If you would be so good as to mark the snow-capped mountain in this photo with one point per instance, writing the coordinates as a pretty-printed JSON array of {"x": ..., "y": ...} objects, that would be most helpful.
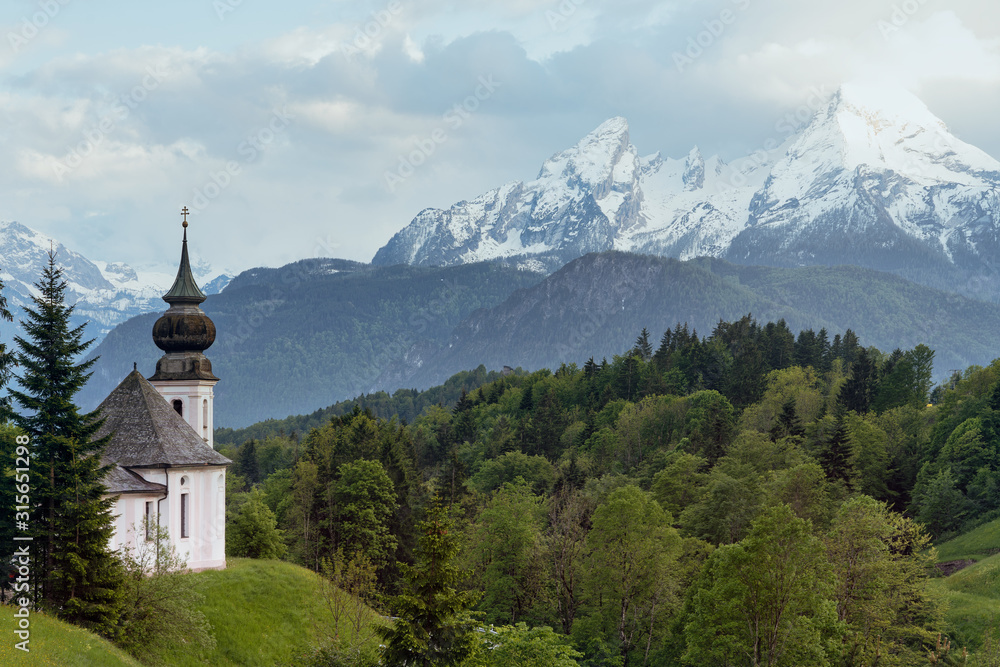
[
  {"x": 105, "y": 293},
  {"x": 874, "y": 180}
]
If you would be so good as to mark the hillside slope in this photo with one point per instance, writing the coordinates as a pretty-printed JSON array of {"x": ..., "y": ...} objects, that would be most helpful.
[
  {"x": 302, "y": 337},
  {"x": 59, "y": 644},
  {"x": 596, "y": 305}
]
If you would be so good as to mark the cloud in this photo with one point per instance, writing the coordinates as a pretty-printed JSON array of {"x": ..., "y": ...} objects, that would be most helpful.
[{"x": 374, "y": 81}]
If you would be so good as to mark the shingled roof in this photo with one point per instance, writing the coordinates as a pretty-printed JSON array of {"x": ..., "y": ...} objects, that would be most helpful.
[
  {"x": 148, "y": 433},
  {"x": 120, "y": 480}
]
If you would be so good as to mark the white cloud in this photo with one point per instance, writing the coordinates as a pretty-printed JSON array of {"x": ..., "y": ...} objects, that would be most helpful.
[{"x": 362, "y": 91}]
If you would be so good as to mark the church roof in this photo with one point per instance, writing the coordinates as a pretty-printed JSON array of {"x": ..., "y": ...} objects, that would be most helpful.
[
  {"x": 147, "y": 432},
  {"x": 120, "y": 480}
]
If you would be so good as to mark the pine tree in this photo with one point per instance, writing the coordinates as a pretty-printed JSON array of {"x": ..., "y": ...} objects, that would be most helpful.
[
  {"x": 643, "y": 349},
  {"x": 859, "y": 391},
  {"x": 77, "y": 574},
  {"x": 433, "y": 626},
  {"x": 835, "y": 459},
  {"x": 7, "y": 360}
]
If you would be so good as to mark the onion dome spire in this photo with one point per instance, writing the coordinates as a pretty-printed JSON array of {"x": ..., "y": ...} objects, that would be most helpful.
[
  {"x": 184, "y": 332},
  {"x": 185, "y": 289}
]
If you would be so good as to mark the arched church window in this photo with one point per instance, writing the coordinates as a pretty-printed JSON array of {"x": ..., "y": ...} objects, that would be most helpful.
[
  {"x": 204, "y": 413},
  {"x": 179, "y": 407}
]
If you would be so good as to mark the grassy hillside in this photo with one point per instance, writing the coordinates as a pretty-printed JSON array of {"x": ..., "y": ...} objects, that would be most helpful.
[
  {"x": 261, "y": 613},
  {"x": 58, "y": 644},
  {"x": 977, "y": 544},
  {"x": 973, "y": 597}
]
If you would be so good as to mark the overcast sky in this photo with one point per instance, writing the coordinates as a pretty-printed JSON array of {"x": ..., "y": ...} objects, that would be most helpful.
[{"x": 320, "y": 128}]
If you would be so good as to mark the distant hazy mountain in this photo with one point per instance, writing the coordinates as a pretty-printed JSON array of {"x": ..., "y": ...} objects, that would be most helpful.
[
  {"x": 874, "y": 180},
  {"x": 312, "y": 333},
  {"x": 597, "y": 305},
  {"x": 105, "y": 294}
]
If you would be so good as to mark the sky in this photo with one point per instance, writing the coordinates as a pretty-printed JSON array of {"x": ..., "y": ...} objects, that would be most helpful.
[{"x": 313, "y": 128}]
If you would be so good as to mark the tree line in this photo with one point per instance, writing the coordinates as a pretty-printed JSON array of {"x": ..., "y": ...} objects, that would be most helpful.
[{"x": 751, "y": 496}]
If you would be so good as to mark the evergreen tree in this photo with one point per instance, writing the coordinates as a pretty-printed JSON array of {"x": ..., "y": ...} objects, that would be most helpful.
[
  {"x": 836, "y": 458},
  {"x": 433, "y": 626},
  {"x": 247, "y": 464},
  {"x": 77, "y": 575},
  {"x": 859, "y": 391},
  {"x": 642, "y": 348},
  {"x": 7, "y": 360}
]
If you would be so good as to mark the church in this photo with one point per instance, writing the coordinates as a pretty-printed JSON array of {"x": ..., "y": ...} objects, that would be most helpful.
[{"x": 165, "y": 468}]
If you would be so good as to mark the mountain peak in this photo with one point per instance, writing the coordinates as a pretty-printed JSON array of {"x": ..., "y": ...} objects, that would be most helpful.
[
  {"x": 594, "y": 158},
  {"x": 882, "y": 105},
  {"x": 694, "y": 170},
  {"x": 885, "y": 129}
]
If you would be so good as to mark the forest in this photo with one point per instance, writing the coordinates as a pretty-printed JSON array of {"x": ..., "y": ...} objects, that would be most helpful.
[{"x": 749, "y": 497}]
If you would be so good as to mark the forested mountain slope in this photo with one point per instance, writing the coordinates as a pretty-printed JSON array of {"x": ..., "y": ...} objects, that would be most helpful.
[
  {"x": 595, "y": 305},
  {"x": 314, "y": 332}
]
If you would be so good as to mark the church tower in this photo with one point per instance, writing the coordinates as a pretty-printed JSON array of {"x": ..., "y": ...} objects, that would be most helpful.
[{"x": 184, "y": 374}]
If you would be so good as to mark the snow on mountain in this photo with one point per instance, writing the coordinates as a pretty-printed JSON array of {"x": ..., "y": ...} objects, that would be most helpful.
[
  {"x": 875, "y": 179},
  {"x": 105, "y": 293},
  {"x": 598, "y": 195},
  {"x": 877, "y": 176}
]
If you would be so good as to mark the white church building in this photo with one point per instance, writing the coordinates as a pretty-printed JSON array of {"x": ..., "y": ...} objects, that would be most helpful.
[{"x": 166, "y": 469}]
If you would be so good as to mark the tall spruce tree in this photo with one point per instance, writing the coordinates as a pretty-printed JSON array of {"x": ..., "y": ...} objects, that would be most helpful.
[
  {"x": 77, "y": 575},
  {"x": 7, "y": 360},
  {"x": 433, "y": 625},
  {"x": 7, "y": 438}
]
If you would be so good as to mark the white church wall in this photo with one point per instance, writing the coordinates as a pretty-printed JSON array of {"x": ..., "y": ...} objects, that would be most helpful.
[
  {"x": 204, "y": 547},
  {"x": 196, "y": 397}
]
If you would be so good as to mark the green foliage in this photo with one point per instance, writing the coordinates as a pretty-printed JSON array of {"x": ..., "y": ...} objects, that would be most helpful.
[
  {"x": 765, "y": 600},
  {"x": 161, "y": 601},
  {"x": 433, "y": 625},
  {"x": 254, "y": 532},
  {"x": 364, "y": 501},
  {"x": 881, "y": 570},
  {"x": 941, "y": 506},
  {"x": 520, "y": 645},
  {"x": 506, "y": 551},
  {"x": 76, "y": 574},
  {"x": 630, "y": 575},
  {"x": 506, "y": 468},
  {"x": 559, "y": 482}
]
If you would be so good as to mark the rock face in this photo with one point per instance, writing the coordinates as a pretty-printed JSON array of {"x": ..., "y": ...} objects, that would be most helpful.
[{"x": 874, "y": 180}]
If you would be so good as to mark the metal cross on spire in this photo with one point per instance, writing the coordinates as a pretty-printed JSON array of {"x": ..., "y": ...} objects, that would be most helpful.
[{"x": 184, "y": 212}]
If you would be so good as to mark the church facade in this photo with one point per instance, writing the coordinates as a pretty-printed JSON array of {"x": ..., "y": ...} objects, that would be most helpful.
[{"x": 165, "y": 469}]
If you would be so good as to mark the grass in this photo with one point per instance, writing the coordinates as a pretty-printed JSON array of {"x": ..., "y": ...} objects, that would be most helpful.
[
  {"x": 973, "y": 597},
  {"x": 262, "y": 612},
  {"x": 977, "y": 544},
  {"x": 59, "y": 644}
]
